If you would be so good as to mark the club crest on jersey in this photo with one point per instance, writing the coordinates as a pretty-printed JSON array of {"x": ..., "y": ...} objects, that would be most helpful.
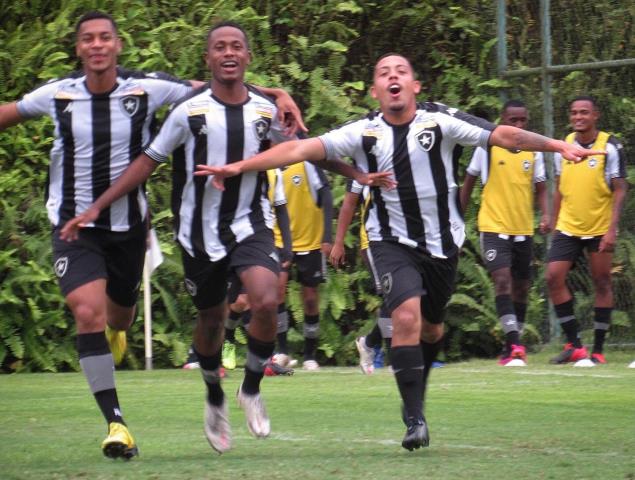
[
  {"x": 190, "y": 286},
  {"x": 593, "y": 162},
  {"x": 386, "y": 283},
  {"x": 490, "y": 255},
  {"x": 261, "y": 127},
  {"x": 60, "y": 267},
  {"x": 526, "y": 165},
  {"x": 296, "y": 179},
  {"x": 425, "y": 139},
  {"x": 130, "y": 104}
]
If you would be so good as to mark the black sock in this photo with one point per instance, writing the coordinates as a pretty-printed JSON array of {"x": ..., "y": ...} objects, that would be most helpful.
[
  {"x": 246, "y": 317},
  {"x": 373, "y": 339},
  {"x": 407, "y": 363},
  {"x": 210, "y": 369},
  {"x": 429, "y": 352},
  {"x": 601, "y": 326},
  {"x": 258, "y": 353},
  {"x": 508, "y": 321},
  {"x": 98, "y": 367},
  {"x": 311, "y": 336},
  {"x": 521, "y": 313},
  {"x": 282, "y": 328},
  {"x": 564, "y": 312},
  {"x": 230, "y": 335},
  {"x": 230, "y": 325},
  {"x": 109, "y": 405},
  {"x": 283, "y": 345}
]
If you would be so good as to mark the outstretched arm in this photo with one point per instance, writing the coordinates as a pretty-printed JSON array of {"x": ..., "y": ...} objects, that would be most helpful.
[
  {"x": 136, "y": 173},
  {"x": 382, "y": 179},
  {"x": 9, "y": 115},
  {"x": 287, "y": 153},
  {"x": 515, "y": 138}
]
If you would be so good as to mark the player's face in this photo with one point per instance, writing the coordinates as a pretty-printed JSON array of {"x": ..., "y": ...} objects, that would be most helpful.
[
  {"x": 227, "y": 54},
  {"x": 583, "y": 116},
  {"x": 394, "y": 85},
  {"x": 516, "y": 117},
  {"x": 98, "y": 45}
]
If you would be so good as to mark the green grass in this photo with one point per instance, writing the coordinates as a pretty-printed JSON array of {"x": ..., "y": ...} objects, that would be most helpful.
[{"x": 486, "y": 422}]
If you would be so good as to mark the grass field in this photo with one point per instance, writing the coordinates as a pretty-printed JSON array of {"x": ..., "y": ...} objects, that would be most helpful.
[{"x": 486, "y": 422}]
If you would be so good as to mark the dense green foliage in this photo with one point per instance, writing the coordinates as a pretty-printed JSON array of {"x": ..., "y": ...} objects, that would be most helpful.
[{"x": 322, "y": 52}]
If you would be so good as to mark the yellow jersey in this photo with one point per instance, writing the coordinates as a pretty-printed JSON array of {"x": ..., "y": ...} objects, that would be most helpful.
[
  {"x": 587, "y": 199},
  {"x": 302, "y": 182},
  {"x": 507, "y": 199}
]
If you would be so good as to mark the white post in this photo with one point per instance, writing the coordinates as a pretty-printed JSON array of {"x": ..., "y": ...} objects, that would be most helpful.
[
  {"x": 153, "y": 259},
  {"x": 147, "y": 312}
]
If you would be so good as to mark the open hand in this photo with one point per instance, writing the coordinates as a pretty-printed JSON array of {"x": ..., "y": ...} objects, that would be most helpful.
[{"x": 70, "y": 230}]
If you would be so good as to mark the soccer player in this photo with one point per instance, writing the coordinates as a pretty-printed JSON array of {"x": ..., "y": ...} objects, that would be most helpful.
[
  {"x": 367, "y": 344},
  {"x": 220, "y": 233},
  {"x": 239, "y": 311},
  {"x": 587, "y": 205},
  {"x": 310, "y": 206},
  {"x": 103, "y": 116},
  {"x": 416, "y": 229},
  {"x": 506, "y": 223}
]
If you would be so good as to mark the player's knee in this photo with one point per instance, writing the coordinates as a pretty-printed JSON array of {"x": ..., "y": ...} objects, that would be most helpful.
[
  {"x": 406, "y": 322},
  {"x": 431, "y": 332},
  {"x": 88, "y": 317},
  {"x": 602, "y": 284},
  {"x": 266, "y": 302},
  {"x": 553, "y": 280}
]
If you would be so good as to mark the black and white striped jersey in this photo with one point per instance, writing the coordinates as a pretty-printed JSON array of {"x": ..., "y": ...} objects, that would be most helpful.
[
  {"x": 96, "y": 138},
  {"x": 208, "y": 222},
  {"x": 423, "y": 210}
]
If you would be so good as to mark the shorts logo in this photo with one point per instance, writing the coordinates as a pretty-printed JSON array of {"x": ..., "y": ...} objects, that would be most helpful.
[
  {"x": 261, "y": 127},
  {"x": 61, "y": 265},
  {"x": 190, "y": 286},
  {"x": 130, "y": 104},
  {"x": 526, "y": 165},
  {"x": 425, "y": 140},
  {"x": 274, "y": 256},
  {"x": 296, "y": 179},
  {"x": 490, "y": 255},
  {"x": 386, "y": 283},
  {"x": 593, "y": 162}
]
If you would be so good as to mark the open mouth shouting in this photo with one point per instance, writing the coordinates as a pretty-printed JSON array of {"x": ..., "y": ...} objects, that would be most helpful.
[{"x": 394, "y": 90}]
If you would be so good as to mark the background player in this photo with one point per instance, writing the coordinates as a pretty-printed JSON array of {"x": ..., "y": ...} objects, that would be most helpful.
[
  {"x": 587, "y": 205},
  {"x": 506, "y": 223},
  {"x": 310, "y": 207}
]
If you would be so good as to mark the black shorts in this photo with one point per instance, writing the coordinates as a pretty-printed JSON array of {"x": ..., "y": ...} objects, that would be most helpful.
[
  {"x": 206, "y": 281},
  {"x": 568, "y": 248},
  {"x": 116, "y": 256},
  {"x": 406, "y": 273},
  {"x": 507, "y": 253},
  {"x": 310, "y": 268}
]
